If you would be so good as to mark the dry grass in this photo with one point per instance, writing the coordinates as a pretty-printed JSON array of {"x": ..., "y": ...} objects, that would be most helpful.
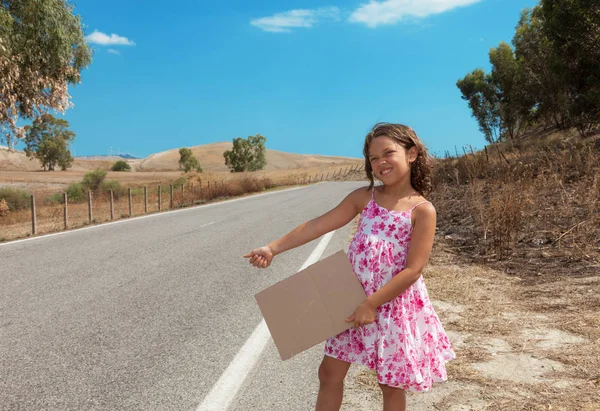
[{"x": 542, "y": 207}]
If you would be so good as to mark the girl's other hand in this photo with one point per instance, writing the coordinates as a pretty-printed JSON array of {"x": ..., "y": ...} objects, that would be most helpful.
[
  {"x": 364, "y": 314},
  {"x": 260, "y": 257}
]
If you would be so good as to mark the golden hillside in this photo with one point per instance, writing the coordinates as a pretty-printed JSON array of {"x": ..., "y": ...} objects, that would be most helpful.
[{"x": 211, "y": 159}]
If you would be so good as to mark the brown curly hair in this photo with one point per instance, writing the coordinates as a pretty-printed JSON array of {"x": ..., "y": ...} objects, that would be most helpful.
[{"x": 421, "y": 168}]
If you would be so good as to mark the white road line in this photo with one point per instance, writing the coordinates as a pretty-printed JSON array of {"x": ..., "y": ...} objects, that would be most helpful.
[
  {"x": 223, "y": 392},
  {"x": 157, "y": 214}
]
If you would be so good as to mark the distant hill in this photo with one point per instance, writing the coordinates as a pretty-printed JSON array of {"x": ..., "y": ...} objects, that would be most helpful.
[
  {"x": 111, "y": 157},
  {"x": 210, "y": 157}
]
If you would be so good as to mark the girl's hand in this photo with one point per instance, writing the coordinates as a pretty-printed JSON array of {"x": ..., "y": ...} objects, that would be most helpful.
[
  {"x": 260, "y": 257},
  {"x": 364, "y": 314}
]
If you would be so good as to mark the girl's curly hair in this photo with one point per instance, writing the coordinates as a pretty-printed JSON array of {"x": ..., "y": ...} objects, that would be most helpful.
[{"x": 421, "y": 168}]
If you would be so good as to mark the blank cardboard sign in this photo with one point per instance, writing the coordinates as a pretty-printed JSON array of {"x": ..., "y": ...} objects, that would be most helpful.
[{"x": 311, "y": 305}]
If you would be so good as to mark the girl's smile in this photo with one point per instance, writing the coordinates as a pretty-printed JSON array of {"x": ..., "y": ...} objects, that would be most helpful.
[{"x": 388, "y": 158}]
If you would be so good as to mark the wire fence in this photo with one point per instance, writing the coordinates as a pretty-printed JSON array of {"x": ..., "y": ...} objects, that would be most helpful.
[{"x": 42, "y": 216}]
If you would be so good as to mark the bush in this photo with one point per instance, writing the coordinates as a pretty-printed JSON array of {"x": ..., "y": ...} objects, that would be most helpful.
[
  {"x": 121, "y": 165},
  {"x": 75, "y": 193},
  {"x": 56, "y": 198},
  {"x": 113, "y": 185},
  {"x": 93, "y": 179},
  {"x": 15, "y": 199},
  {"x": 4, "y": 209},
  {"x": 179, "y": 182}
]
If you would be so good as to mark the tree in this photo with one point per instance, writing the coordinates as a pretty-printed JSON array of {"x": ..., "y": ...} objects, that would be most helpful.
[
  {"x": 188, "y": 161},
  {"x": 48, "y": 139},
  {"x": 479, "y": 90},
  {"x": 537, "y": 61},
  {"x": 121, "y": 165},
  {"x": 507, "y": 78},
  {"x": 573, "y": 28},
  {"x": 247, "y": 154},
  {"x": 42, "y": 51}
]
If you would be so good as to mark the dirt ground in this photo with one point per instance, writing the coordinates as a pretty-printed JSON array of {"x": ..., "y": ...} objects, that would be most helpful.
[{"x": 529, "y": 342}]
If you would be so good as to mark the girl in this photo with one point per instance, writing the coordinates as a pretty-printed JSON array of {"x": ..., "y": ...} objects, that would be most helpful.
[{"x": 396, "y": 330}]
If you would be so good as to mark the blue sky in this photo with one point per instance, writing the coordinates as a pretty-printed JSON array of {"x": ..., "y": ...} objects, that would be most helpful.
[{"x": 311, "y": 75}]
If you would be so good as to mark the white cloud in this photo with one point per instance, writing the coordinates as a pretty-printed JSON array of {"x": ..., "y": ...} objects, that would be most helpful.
[
  {"x": 302, "y": 18},
  {"x": 98, "y": 37},
  {"x": 113, "y": 51},
  {"x": 376, "y": 13}
]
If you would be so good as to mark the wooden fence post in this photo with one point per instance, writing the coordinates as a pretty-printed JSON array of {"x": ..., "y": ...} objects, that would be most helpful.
[
  {"x": 159, "y": 198},
  {"x": 112, "y": 206},
  {"x": 90, "y": 213},
  {"x": 208, "y": 188},
  {"x": 130, "y": 205},
  {"x": 33, "y": 217},
  {"x": 200, "y": 189},
  {"x": 171, "y": 203},
  {"x": 65, "y": 199},
  {"x": 145, "y": 200}
]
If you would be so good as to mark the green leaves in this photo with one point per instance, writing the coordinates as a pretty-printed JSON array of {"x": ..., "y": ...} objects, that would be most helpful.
[
  {"x": 247, "y": 154},
  {"x": 188, "y": 161},
  {"x": 42, "y": 51},
  {"x": 553, "y": 75},
  {"x": 48, "y": 139},
  {"x": 478, "y": 89}
]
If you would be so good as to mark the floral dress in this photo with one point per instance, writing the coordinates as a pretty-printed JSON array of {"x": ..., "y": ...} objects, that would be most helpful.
[{"x": 406, "y": 345}]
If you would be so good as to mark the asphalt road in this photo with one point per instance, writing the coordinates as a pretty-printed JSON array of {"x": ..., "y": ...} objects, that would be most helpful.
[{"x": 146, "y": 314}]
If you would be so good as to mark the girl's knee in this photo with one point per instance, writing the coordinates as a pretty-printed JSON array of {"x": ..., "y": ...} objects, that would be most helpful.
[
  {"x": 332, "y": 371},
  {"x": 391, "y": 391}
]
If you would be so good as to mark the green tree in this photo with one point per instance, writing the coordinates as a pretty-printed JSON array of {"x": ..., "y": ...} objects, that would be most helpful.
[
  {"x": 573, "y": 28},
  {"x": 121, "y": 165},
  {"x": 507, "y": 78},
  {"x": 247, "y": 154},
  {"x": 542, "y": 84},
  {"x": 187, "y": 160},
  {"x": 479, "y": 90},
  {"x": 42, "y": 51},
  {"x": 48, "y": 139}
]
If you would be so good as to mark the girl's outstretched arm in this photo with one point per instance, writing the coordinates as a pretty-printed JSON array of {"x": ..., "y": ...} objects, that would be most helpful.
[
  {"x": 310, "y": 230},
  {"x": 419, "y": 249}
]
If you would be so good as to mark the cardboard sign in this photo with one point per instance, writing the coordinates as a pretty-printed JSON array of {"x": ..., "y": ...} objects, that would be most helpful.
[{"x": 311, "y": 305}]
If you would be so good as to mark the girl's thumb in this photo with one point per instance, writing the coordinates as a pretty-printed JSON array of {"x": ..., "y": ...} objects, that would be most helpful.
[
  {"x": 248, "y": 255},
  {"x": 350, "y": 319}
]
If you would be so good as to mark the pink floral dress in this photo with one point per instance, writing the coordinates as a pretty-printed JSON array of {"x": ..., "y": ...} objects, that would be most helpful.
[{"x": 406, "y": 345}]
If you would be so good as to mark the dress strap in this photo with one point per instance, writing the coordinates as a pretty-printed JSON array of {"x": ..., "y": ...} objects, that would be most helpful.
[{"x": 422, "y": 202}]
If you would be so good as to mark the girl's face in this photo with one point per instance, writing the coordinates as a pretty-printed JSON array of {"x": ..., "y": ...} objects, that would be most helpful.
[{"x": 389, "y": 160}]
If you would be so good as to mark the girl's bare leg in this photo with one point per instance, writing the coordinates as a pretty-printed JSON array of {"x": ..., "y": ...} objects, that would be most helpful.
[
  {"x": 331, "y": 384},
  {"x": 394, "y": 399}
]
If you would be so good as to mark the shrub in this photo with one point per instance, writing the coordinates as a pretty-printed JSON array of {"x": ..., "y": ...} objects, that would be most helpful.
[
  {"x": 75, "y": 193},
  {"x": 113, "y": 185},
  {"x": 4, "y": 209},
  {"x": 15, "y": 199},
  {"x": 121, "y": 165},
  {"x": 179, "y": 182},
  {"x": 93, "y": 179},
  {"x": 56, "y": 198}
]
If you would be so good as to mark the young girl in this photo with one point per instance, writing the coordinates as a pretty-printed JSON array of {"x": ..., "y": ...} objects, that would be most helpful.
[{"x": 396, "y": 330}]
